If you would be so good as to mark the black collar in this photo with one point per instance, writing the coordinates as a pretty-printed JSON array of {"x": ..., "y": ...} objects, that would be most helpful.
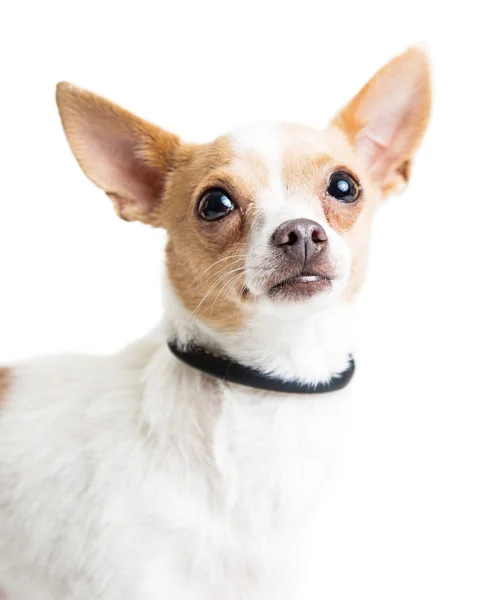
[{"x": 228, "y": 370}]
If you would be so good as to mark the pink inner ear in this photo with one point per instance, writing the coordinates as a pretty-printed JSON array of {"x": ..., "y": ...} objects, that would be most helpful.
[
  {"x": 121, "y": 171},
  {"x": 386, "y": 135},
  {"x": 369, "y": 149},
  {"x": 376, "y": 154}
]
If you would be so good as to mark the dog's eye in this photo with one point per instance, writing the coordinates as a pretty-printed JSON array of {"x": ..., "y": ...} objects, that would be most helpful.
[
  {"x": 214, "y": 205},
  {"x": 343, "y": 187}
]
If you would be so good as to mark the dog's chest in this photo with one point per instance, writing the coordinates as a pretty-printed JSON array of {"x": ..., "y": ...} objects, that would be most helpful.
[{"x": 235, "y": 518}]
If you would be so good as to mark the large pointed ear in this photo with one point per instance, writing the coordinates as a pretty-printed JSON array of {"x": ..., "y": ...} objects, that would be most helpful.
[
  {"x": 127, "y": 157},
  {"x": 387, "y": 119}
]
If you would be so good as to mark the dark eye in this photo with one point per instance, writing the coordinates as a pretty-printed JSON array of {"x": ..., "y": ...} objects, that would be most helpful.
[
  {"x": 214, "y": 205},
  {"x": 343, "y": 187}
]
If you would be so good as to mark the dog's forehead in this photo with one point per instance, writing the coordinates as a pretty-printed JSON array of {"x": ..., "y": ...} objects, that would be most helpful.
[
  {"x": 271, "y": 142},
  {"x": 281, "y": 152}
]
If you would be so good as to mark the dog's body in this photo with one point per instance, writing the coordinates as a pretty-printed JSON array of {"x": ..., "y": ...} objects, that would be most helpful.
[
  {"x": 153, "y": 481},
  {"x": 138, "y": 477}
]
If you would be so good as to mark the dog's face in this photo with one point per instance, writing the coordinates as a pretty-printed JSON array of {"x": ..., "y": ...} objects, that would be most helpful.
[{"x": 270, "y": 217}]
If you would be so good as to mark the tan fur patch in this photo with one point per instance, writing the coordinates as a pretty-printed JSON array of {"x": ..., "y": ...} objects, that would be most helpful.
[
  {"x": 205, "y": 260},
  {"x": 4, "y": 383}
]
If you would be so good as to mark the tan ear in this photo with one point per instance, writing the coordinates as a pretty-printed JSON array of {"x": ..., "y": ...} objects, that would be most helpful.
[
  {"x": 387, "y": 119},
  {"x": 127, "y": 157}
]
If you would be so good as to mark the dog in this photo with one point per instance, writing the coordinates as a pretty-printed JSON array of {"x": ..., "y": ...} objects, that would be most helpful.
[{"x": 188, "y": 466}]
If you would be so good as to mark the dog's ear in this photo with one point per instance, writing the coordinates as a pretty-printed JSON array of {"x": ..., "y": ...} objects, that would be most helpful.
[
  {"x": 386, "y": 120},
  {"x": 127, "y": 157}
]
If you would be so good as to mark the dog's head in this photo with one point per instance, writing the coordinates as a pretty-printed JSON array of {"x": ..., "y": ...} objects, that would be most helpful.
[{"x": 270, "y": 217}]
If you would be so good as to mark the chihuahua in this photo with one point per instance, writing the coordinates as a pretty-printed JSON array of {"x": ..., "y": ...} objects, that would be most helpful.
[{"x": 188, "y": 466}]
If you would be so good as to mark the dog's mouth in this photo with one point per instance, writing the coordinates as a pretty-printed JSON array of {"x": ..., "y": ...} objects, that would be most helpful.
[{"x": 304, "y": 285}]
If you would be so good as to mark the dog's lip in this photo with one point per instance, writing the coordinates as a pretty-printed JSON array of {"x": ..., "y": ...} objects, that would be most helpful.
[
  {"x": 298, "y": 286},
  {"x": 302, "y": 278}
]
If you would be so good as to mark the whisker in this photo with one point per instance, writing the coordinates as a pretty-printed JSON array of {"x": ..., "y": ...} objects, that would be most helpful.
[
  {"x": 238, "y": 257},
  {"x": 211, "y": 288},
  {"x": 227, "y": 286}
]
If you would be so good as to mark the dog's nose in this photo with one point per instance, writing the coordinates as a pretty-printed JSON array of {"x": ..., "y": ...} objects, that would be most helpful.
[{"x": 300, "y": 238}]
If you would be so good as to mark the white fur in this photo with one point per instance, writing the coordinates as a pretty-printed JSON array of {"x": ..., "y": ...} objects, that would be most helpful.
[{"x": 135, "y": 477}]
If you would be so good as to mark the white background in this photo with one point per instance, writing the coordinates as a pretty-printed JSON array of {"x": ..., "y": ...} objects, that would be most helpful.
[{"x": 403, "y": 511}]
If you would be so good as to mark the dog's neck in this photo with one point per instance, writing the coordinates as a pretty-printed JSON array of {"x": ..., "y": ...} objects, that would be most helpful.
[
  {"x": 309, "y": 348},
  {"x": 182, "y": 404}
]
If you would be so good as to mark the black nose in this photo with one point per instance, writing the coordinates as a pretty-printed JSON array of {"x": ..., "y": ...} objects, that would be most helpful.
[{"x": 300, "y": 238}]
